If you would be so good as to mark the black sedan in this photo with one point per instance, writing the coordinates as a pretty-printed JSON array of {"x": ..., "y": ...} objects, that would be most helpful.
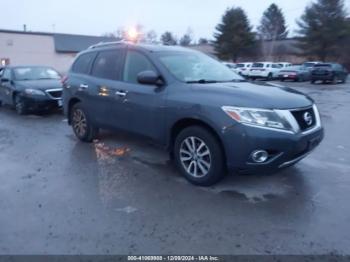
[
  {"x": 30, "y": 88},
  {"x": 295, "y": 73},
  {"x": 329, "y": 72}
]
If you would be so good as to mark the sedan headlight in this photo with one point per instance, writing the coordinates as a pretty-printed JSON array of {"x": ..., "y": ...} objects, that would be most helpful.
[
  {"x": 35, "y": 92},
  {"x": 258, "y": 117}
]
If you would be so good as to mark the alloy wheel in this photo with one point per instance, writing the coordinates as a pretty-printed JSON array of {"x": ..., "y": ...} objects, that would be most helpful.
[
  {"x": 195, "y": 157},
  {"x": 79, "y": 122}
]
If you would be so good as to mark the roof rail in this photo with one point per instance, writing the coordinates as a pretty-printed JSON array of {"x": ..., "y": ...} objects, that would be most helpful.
[{"x": 105, "y": 44}]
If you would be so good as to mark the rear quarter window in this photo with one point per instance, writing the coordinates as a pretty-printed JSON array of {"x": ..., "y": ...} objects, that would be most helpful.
[{"x": 83, "y": 63}]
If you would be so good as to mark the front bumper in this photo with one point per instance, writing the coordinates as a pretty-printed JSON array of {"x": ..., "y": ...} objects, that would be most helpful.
[
  {"x": 288, "y": 77},
  {"x": 37, "y": 103},
  {"x": 322, "y": 77},
  {"x": 285, "y": 149}
]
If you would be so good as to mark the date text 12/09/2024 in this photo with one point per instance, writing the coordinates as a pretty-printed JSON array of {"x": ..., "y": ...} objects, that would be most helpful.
[{"x": 173, "y": 258}]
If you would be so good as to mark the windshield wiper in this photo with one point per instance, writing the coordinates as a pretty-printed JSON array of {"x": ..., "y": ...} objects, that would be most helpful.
[
  {"x": 201, "y": 81},
  {"x": 237, "y": 80}
]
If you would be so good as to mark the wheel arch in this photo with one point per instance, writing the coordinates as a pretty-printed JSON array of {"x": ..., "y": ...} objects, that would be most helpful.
[{"x": 181, "y": 124}]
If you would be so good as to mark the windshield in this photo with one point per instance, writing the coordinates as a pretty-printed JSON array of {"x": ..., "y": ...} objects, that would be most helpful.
[
  {"x": 323, "y": 65},
  {"x": 197, "y": 67},
  {"x": 35, "y": 73},
  {"x": 309, "y": 64},
  {"x": 258, "y": 65}
]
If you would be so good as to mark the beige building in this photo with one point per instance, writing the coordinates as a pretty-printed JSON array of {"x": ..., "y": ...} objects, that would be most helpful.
[{"x": 36, "y": 48}]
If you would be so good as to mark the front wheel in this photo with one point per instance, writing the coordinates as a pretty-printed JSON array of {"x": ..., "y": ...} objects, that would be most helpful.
[
  {"x": 269, "y": 77},
  {"x": 335, "y": 80},
  {"x": 20, "y": 105},
  {"x": 199, "y": 156},
  {"x": 82, "y": 126}
]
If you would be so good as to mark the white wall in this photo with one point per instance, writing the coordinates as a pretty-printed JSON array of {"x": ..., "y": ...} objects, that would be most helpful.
[{"x": 28, "y": 49}]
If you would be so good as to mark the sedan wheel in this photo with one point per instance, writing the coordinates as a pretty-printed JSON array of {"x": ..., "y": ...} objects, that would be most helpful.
[
  {"x": 20, "y": 106},
  {"x": 335, "y": 80}
]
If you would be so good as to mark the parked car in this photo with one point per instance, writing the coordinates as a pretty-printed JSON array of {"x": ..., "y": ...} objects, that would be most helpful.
[
  {"x": 284, "y": 64},
  {"x": 295, "y": 73},
  {"x": 265, "y": 70},
  {"x": 329, "y": 72},
  {"x": 30, "y": 88},
  {"x": 209, "y": 118},
  {"x": 310, "y": 64},
  {"x": 231, "y": 66},
  {"x": 243, "y": 69}
]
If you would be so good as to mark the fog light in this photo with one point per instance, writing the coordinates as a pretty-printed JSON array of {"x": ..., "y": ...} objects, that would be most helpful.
[{"x": 260, "y": 156}]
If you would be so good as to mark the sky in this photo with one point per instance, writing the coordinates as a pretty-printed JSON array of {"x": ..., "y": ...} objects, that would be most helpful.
[{"x": 104, "y": 16}]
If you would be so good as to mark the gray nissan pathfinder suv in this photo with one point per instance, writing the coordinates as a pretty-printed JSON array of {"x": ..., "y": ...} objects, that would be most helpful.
[{"x": 210, "y": 119}]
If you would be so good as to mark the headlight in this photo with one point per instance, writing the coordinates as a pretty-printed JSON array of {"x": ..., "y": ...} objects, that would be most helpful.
[
  {"x": 34, "y": 92},
  {"x": 258, "y": 117}
]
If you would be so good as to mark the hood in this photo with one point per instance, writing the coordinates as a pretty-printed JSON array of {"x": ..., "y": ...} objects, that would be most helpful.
[
  {"x": 39, "y": 84},
  {"x": 246, "y": 94}
]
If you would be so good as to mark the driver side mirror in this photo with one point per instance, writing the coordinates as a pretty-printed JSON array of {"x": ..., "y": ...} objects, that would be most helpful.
[{"x": 149, "y": 78}]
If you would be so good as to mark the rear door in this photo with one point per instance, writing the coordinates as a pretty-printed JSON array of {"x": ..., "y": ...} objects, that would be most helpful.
[
  {"x": 81, "y": 85},
  {"x": 106, "y": 76}
]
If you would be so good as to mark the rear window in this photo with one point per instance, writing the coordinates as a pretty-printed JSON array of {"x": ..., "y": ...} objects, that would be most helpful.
[
  {"x": 323, "y": 65},
  {"x": 108, "y": 65},
  {"x": 258, "y": 65},
  {"x": 83, "y": 63}
]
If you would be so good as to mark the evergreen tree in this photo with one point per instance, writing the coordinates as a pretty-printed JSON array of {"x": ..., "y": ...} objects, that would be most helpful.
[
  {"x": 234, "y": 37},
  {"x": 168, "y": 39},
  {"x": 203, "y": 41},
  {"x": 324, "y": 28},
  {"x": 186, "y": 40},
  {"x": 273, "y": 24}
]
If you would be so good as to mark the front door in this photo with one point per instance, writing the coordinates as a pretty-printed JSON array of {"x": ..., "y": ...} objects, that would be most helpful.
[{"x": 144, "y": 103}]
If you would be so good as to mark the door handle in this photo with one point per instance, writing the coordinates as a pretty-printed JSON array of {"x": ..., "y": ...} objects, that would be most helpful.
[
  {"x": 121, "y": 93},
  {"x": 83, "y": 86}
]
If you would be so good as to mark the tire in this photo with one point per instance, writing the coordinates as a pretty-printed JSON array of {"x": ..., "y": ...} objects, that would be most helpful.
[
  {"x": 335, "y": 80},
  {"x": 204, "y": 167},
  {"x": 313, "y": 81},
  {"x": 269, "y": 77},
  {"x": 82, "y": 126},
  {"x": 20, "y": 106},
  {"x": 0, "y": 103}
]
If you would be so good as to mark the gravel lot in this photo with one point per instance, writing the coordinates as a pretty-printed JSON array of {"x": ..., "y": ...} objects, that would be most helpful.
[{"x": 121, "y": 195}]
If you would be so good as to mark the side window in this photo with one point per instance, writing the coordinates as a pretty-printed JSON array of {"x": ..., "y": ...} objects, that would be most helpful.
[
  {"x": 136, "y": 63},
  {"x": 83, "y": 63},
  {"x": 108, "y": 65},
  {"x": 7, "y": 74}
]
